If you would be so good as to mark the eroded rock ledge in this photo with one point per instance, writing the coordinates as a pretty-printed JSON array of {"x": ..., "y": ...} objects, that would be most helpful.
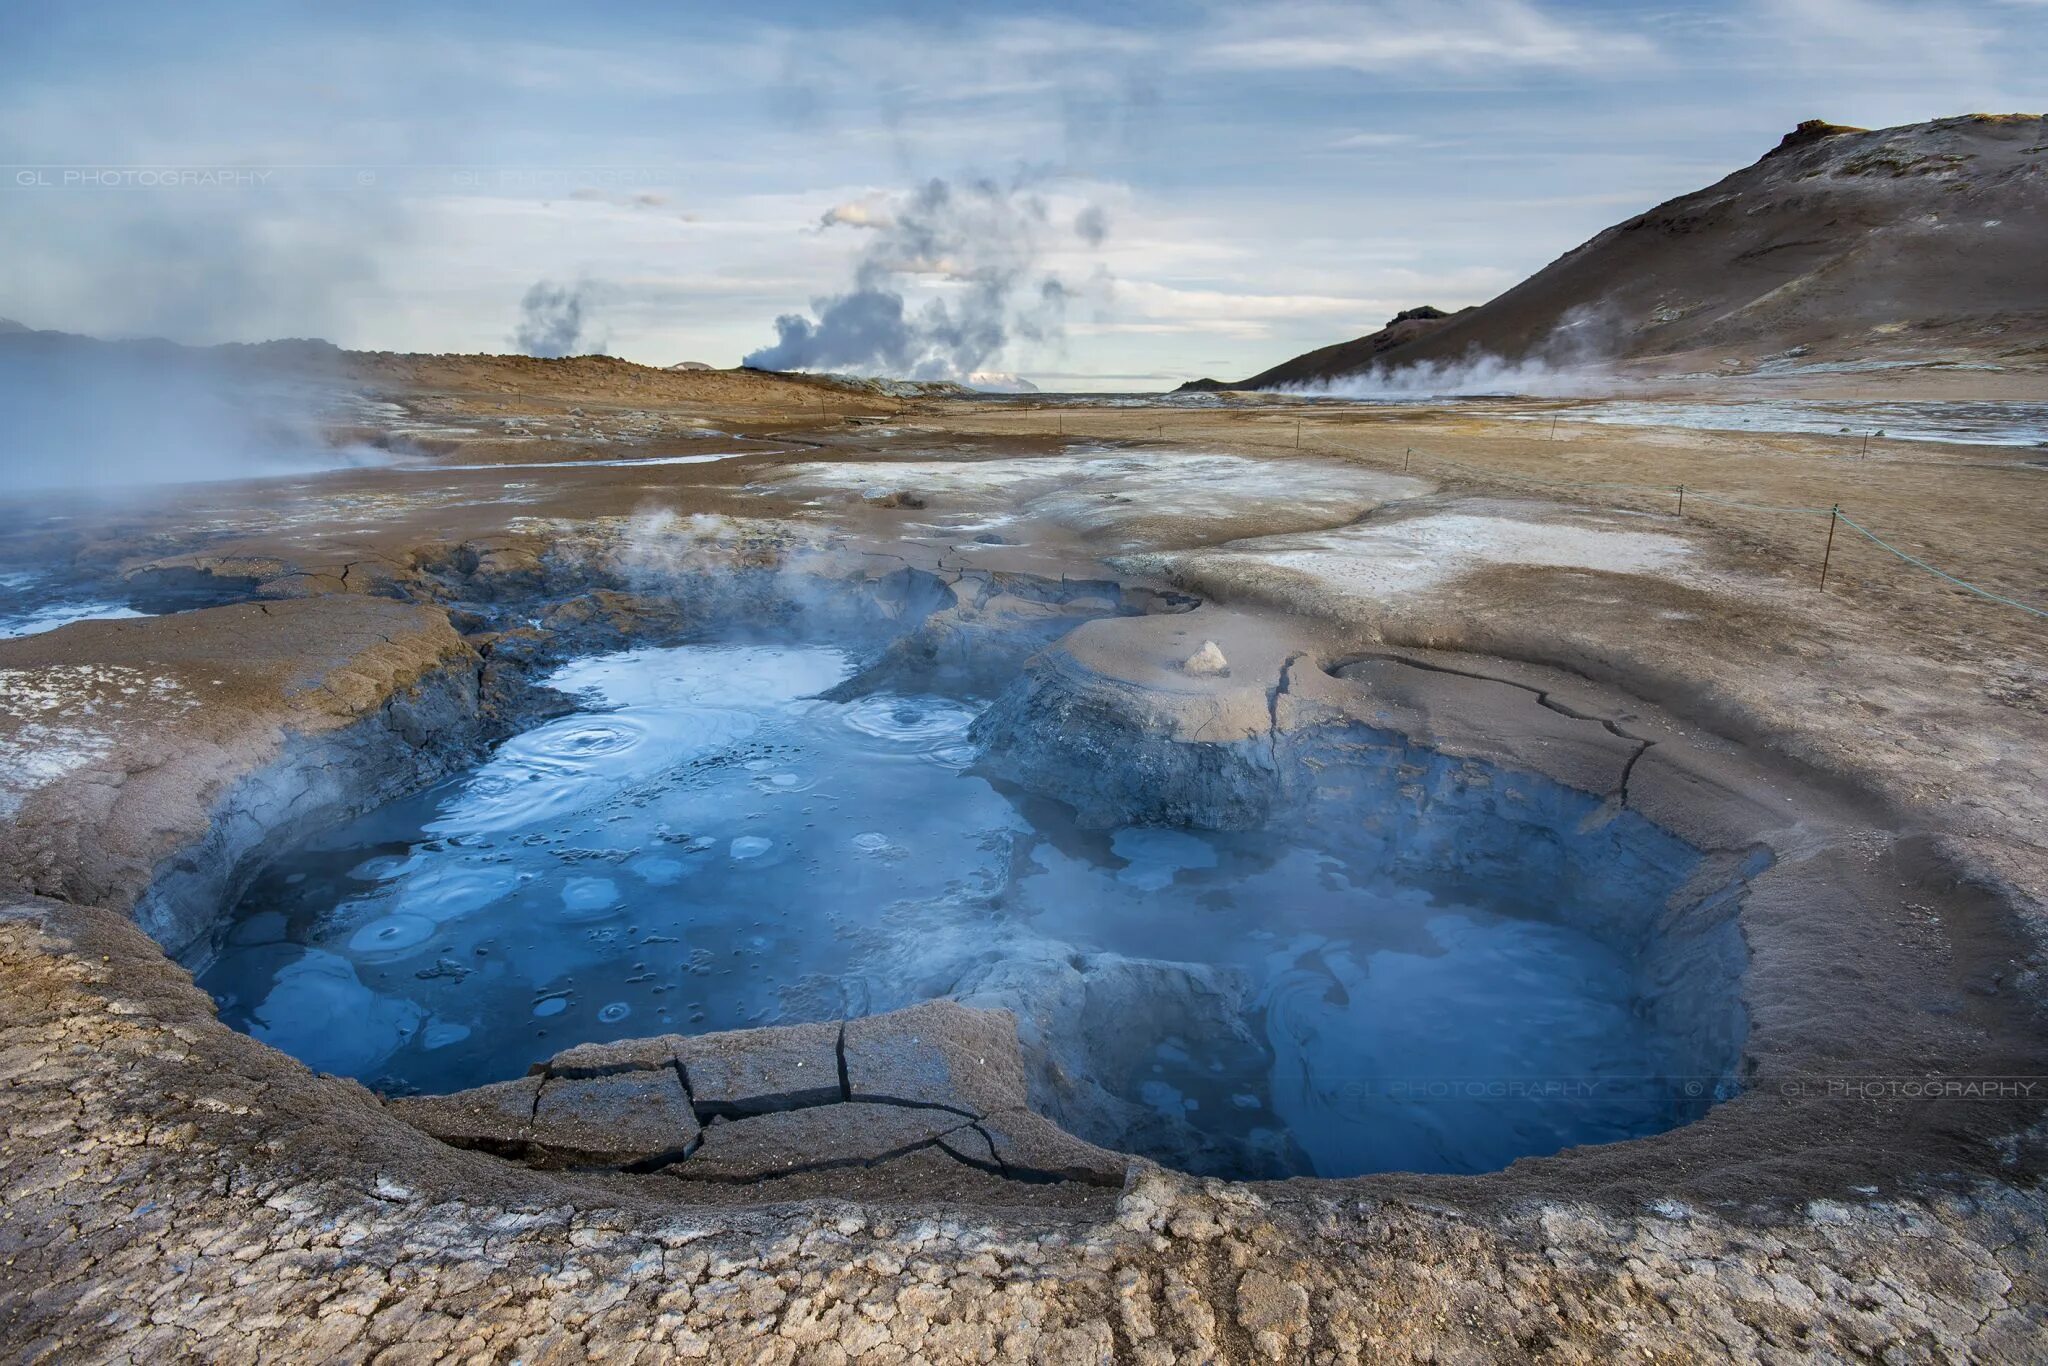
[{"x": 757, "y": 1105}]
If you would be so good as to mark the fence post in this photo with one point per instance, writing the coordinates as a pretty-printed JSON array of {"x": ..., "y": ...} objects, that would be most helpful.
[
  {"x": 1297, "y": 433},
  {"x": 1681, "y": 500},
  {"x": 1406, "y": 459},
  {"x": 1834, "y": 514}
]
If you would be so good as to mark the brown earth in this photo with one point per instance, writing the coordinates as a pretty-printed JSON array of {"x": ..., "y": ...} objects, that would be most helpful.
[{"x": 178, "y": 1191}]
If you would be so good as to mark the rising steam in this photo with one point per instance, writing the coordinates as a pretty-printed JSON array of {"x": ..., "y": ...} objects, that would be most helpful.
[
  {"x": 552, "y": 321},
  {"x": 1570, "y": 360},
  {"x": 113, "y": 417},
  {"x": 979, "y": 246}
]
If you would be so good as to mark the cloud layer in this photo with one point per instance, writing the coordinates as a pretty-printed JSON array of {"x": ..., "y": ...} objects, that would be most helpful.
[{"x": 1263, "y": 179}]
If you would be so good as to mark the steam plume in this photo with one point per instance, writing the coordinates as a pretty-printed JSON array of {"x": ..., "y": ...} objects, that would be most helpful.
[
  {"x": 551, "y": 322},
  {"x": 114, "y": 416},
  {"x": 980, "y": 243},
  {"x": 1571, "y": 359}
]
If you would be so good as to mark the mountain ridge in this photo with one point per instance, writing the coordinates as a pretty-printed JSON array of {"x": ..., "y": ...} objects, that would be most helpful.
[{"x": 1846, "y": 241}]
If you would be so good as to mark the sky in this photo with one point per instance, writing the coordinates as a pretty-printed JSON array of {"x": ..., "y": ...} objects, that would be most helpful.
[{"x": 1092, "y": 196}]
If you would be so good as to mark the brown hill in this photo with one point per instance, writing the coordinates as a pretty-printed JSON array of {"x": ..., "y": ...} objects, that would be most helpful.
[
  {"x": 1348, "y": 358},
  {"x": 1922, "y": 239}
]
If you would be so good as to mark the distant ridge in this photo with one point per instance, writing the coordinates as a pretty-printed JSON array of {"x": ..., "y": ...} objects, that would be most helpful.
[{"x": 1922, "y": 239}]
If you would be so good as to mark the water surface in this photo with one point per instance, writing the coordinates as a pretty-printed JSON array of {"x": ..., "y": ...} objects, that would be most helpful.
[{"x": 708, "y": 846}]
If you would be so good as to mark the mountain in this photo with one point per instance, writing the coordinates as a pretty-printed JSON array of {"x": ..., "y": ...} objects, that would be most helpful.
[
  {"x": 1348, "y": 358},
  {"x": 1926, "y": 240}
]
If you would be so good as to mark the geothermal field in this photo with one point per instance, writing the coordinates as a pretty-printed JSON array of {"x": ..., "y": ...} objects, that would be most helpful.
[{"x": 1522, "y": 835}]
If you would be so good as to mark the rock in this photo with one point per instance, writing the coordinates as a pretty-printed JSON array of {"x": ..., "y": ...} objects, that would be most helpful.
[
  {"x": 621, "y": 1119},
  {"x": 1207, "y": 662},
  {"x": 937, "y": 1053},
  {"x": 1089, "y": 1022},
  {"x": 608, "y": 618},
  {"x": 1113, "y": 720},
  {"x": 1273, "y": 1311},
  {"x": 821, "y": 1137},
  {"x": 893, "y": 498},
  {"x": 620, "y": 1055},
  {"x": 756, "y": 1071},
  {"x": 496, "y": 1117},
  {"x": 1029, "y": 1146}
]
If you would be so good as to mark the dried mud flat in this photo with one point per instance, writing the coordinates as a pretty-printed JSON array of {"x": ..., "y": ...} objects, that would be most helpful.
[{"x": 178, "y": 1190}]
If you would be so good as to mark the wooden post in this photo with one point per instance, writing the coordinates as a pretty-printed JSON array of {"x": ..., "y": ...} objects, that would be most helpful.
[
  {"x": 1553, "y": 426},
  {"x": 1297, "y": 433},
  {"x": 1406, "y": 459},
  {"x": 1866, "y": 447},
  {"x": 1834, "y": 514},
  {"x": 1681, "y": 500}
]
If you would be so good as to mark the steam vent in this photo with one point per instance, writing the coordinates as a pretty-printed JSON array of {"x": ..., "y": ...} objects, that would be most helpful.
[{"x": 1518, "y": 835}]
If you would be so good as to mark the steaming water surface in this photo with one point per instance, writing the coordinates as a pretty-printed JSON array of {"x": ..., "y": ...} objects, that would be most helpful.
[{"x": 707, "y": 846}]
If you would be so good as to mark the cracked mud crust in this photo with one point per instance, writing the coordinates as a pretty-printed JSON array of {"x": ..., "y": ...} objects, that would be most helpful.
[{"x": 179, "y": 1191}]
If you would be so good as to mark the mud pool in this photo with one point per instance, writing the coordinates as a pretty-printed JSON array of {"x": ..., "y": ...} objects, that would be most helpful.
[{"x": 705, "y": 845}]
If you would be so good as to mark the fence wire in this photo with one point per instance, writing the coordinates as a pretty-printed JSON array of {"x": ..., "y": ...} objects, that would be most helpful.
[{"x": 1685, "y": 492}]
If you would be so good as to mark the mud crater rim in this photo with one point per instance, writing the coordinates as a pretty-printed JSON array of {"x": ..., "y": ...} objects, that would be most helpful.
[{"x": 911, "y": 601}]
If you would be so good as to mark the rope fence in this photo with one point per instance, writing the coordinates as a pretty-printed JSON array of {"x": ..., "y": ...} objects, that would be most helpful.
[
  {"x": 1985, "y": 593},
  {"x": 1833, "y": 514}
]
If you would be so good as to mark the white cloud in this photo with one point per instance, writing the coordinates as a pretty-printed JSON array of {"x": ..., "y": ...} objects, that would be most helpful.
[
  {"x": 1458, "y": 38},
  {"x": 869, "y": 211},
  {"x": 1917, "y": 40},
  {"x": 1366, "y": 141}
]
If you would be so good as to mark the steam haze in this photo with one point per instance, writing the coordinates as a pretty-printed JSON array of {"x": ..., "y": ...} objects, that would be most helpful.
[
  {"x": 1573, "y": 359},
  {"x": 111, "y": 418}
]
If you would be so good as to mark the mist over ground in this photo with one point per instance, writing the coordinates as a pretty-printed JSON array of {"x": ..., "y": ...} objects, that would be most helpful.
[{"x": 112, "y": 417}]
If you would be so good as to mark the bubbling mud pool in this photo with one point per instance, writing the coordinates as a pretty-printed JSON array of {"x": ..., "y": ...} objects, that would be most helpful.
[{"x": 706, "y": 844}]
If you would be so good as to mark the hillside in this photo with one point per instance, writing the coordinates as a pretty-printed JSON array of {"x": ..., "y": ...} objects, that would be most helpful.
[{"x": 1924, "y": 240}]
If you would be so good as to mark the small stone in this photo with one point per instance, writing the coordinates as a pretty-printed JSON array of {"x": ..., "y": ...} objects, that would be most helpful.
[
  {"x": 893, "y": 498},
  {"x": 1207, "y": 662}
]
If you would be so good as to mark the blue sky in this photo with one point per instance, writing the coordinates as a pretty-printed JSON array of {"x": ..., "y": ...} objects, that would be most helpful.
[{"x": 1266, "y": 178}]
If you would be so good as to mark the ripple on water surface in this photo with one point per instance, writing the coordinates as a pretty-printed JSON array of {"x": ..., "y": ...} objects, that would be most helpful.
[{"x": 708, "y": 845}]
